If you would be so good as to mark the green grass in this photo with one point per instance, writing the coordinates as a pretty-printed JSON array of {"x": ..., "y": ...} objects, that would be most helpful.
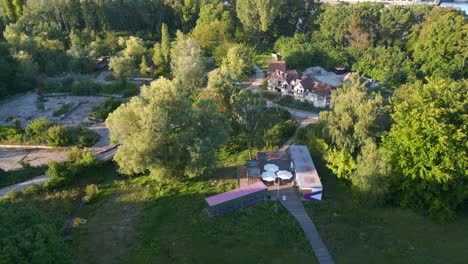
[
  {"x": 262, "y": 60},
  {"x": 142, "y": 221},
  {"x": 15, "y": 176},
  {"x": 357, "y": 234}
]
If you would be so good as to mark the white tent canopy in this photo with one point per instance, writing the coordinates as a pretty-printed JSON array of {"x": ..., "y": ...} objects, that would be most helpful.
[
  {"x": 271, "y": 167},
  {"x": 268, "y": 176},
  {"x": 284, "y": 175}
]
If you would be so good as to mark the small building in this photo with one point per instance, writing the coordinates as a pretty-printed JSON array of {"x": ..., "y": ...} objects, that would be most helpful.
[
  {"x": 234, "y": 199},
  {"x": 306, "y": 176}
]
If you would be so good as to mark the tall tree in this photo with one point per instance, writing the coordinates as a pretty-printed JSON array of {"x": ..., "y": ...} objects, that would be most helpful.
[
  {"x": 428, "y": 146},
  {"x": 440, "y": 44},
  {"x": 187, "y": 62},
  {"x": 162, "y": 131},
  {"x": 249, "y": 108},
  {"x": 257, "y": 15}
]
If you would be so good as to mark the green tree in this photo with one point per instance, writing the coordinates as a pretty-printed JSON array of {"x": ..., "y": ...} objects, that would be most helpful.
[
  {"x": 26, "y": 71},
  {"x": 134, "y": 48},
  {"x": 440, "y": 44},
  {"x": 222, "y": 86},
  {"x": 81, "y": 60},
  {"x": 123, "y": 67},
  {"x": 334, "y": 22},
  {"x": 428, "y": 146},
  {"x": 249, "y": 108},
  {"x": 238, "y": 61},
  {"x": 144, "y": 68},
  {"x": 156, "y": 136},
  {"x": 354, "y": 117},
  {"x": 165, "y": 44},
  {"x": 396, "y": 23},
  {"x": 187, "y": 62},
  {"x": 257, "y": 15}
]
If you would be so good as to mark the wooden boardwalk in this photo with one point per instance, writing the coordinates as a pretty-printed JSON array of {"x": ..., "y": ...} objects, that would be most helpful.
[{"x": 294, "y": 205}]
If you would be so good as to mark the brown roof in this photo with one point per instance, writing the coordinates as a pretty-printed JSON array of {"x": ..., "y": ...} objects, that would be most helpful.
[
  {"x": 319, "y": 88},
  {"x": 276, "y": 65}
]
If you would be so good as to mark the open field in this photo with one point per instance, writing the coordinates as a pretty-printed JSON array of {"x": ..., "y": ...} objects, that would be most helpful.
[
  {"x": 357, "y": 234},
  {"x": 147, "y": 222},
  {"x": 24, "y": 108}
]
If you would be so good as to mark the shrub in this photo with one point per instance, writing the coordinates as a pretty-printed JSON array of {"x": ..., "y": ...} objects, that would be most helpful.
[
  {"x": 281, "y": 132},
  {"x": 84, "y": 85},
  {"x": 37, "y": 130},
  {"x": 103, "y": 110},
  {"x": 92, "y": 191},
  {"x": 10, "y": 134},
  {"x": 82, "y": 157},
  {"x": 59, "y": 174},
  {"x": 83, "y": 137},
  {"x": 29, "y": 236},
  {"x": 58, "y": 136},
  {"x": 124, "y": 88}
]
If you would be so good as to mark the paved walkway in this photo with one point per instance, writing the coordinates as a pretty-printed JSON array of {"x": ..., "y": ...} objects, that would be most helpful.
[
  {"x": 23, "y": 185},
  {"x": 294, "y": 205}
]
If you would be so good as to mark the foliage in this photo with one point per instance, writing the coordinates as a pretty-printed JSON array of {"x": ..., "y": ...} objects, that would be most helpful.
[
  {"x": 106, "y": 107},
  {"x": 61, "y": 174},
  {"x": 238, "y": 61},
  {"x": 37, "y": 130},
  {"x": 354, "y": 117},
  {"x": 64, "y": 108},
  {"x": 428, "y": 148},
  {"x": 257, "y": 16},
  {"x": 248, "y": 110},
  {"x": 153, "y": 126},
  {"x": 14, "y": 176},
  {"x": 439, "y": 44},
  {"x": 277, "y": 135},
  {"x": 221, "y": 87},
  {"x": 341, "y": 162},
  {"x": 187, "y": 62},
  {"x": 92, "y": 192},
  {"x": 370, "y": 178},
  {"x": 124, "y": 88},
  {"x": 57, "y": 136},
  {"x": 123, "y": 67},
  {"x": 28, "y": 236}
]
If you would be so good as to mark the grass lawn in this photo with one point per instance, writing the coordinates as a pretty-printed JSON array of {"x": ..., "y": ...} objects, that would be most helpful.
[
  {"x": 143, "y": 221},
  {"x": 356, "y": 234},
  {"x": 14, "y": 176},
  {"x": 262, "y": 60}
]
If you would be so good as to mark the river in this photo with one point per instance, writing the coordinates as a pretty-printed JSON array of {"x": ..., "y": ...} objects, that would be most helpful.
[{"x": 462, "y": 6}]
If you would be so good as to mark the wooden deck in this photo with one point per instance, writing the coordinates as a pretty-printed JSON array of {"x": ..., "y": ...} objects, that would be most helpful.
[{"x": 294, "y": 205}]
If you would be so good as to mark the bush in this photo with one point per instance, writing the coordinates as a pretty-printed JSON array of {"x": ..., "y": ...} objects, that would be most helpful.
[
  {"x": 280, "y": 133},
  {"x": 10, "y": 134},
  {"x": 83, "y": 137},
  {"x": 92, "y": 191},
  {"x": 124, "y": 88},
  {"x": 103, "y": 110},
  {"x": 29, "y": 236},
  {"x": 59, "y": 174},
  {"x": 58, "y": 136},
  {"x": 37, "y": 130},
  {"x": 84, "y": 85},
  {"x": 82, "y": 157}
]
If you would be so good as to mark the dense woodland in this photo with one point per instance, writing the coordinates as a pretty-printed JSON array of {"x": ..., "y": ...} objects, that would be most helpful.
[{"x": 407, "y": 149}]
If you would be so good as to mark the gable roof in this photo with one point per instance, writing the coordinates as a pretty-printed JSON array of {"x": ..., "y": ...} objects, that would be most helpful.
[
  {"x": 276, "y": 65},
  {"x": 312, "y": 86}
]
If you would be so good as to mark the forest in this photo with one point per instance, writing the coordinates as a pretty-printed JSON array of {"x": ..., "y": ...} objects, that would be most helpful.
[{"x": 403, "y": 144}]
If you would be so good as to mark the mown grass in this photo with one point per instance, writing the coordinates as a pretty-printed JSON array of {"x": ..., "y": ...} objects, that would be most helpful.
[
  {"x": 358, "y": 234},
  {"x": 144, "y": 221},
  {"x": 14, "y": 176}
]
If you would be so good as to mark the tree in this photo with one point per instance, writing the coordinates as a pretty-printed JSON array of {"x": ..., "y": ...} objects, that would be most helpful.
[
  {"x": 396, "y": 23},
  {"x": 187, "y": 62},
  {"x": 257, "y": 15},
  {"x": 334, "y": 22},
  {"x": 144, "y": 68},
  {"x": 123, "y": 67},
  {"x": 26, "y": 71},
  {"x": 210, "y": 35},
  {"x": 389, "y": 66},
  {"x": 223, "y": 87},
  {"x": 249, "y": 108},
  {"x": 427, "y": 146},
  {"x": 440, "y": 45},
  {"x": 134, "y": 48},
  {"x": 371, "y": 177},
  {"x": 238, "y": 61},
  {"x": 354, "y": 117},
  {"x": 165, "y": 44},
  {"x": 81, "y": 60},
  {"x": 163, "y": 131}
]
